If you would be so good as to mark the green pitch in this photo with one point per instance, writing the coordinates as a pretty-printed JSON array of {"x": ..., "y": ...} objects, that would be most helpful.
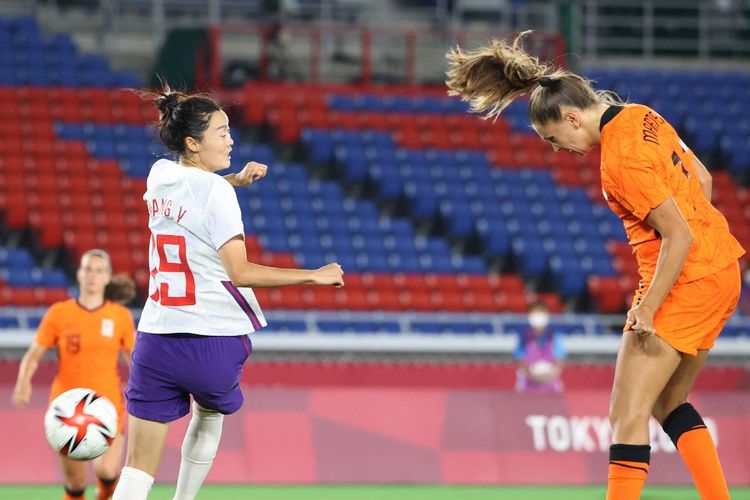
[{"x": 213, "y": 492}]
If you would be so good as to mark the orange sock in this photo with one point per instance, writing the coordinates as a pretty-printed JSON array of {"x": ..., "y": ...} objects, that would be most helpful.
[
  {"x": 105, "y": 488},
  {"x": 628, "y": 468},
  {"x": 74, "y": 494},
  {"x": 691, "y": 437}
]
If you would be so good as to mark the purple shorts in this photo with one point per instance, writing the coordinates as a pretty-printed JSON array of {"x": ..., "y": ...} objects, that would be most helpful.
[{"x": 167, "y": 369}]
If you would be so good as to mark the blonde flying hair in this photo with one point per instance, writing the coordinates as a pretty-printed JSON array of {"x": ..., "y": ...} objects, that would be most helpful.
[{"x": 491, "y": 77}]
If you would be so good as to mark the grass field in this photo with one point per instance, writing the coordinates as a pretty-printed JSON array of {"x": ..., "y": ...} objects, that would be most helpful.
[{"x": 382, "y": 493}]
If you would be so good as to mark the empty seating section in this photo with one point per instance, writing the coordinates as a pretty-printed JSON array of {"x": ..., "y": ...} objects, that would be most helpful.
[
  {"x": 530, "y": 209},
  {"x": 706, "y": 107},
  {"x": 75, "y": 150},
  {"x": 37, "y": 59},
  {"x": 53, "y": 183},
  {"x": 541, "y": 212}
]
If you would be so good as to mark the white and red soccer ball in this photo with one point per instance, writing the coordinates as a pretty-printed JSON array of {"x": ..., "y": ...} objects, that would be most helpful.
[{"x": 80, "y": 424}]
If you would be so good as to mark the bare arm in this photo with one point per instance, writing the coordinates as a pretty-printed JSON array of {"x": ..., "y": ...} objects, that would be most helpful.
[
  {"x": 127, "y": 356},
  {"x": 29, "y": 364},
  {"x": 243, "y": 273},
  {"x": 704, "y": 178},
  {"x": 675, "y": 246},
  {"x": 252, "y": 172}
]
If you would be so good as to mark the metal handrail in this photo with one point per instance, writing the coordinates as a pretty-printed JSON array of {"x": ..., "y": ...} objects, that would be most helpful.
[{"x": 592, "y": 334}]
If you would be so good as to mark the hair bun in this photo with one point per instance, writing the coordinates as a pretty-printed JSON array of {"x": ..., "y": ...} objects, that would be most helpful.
[
  {"x": 167, "y": 101},
  {"x": 545, "y": 81}
]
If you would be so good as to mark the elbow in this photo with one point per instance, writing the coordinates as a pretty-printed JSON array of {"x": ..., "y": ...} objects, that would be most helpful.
[
  {"x": 680, "y": 237},
  {"x": 235, "y": 277},
  {"x": 688, "y": 236}
]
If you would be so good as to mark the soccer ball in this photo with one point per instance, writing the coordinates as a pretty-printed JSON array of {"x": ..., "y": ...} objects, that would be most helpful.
[{"x": 80, "y": 424}]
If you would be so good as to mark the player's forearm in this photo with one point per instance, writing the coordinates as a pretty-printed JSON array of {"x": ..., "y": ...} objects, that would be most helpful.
[
  {"x": 26, "y": 370},
  {"x": 672, "y": 255},
  {"x": 258, "y": 276},
  {"x": 231, "y": 179},
  {"x": 707, "y": 188}
]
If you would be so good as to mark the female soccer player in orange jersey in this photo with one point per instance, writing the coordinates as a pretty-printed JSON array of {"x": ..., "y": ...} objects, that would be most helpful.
[
  {"x": 89, "y": 334},
  {"x": 687, "y": 258}
]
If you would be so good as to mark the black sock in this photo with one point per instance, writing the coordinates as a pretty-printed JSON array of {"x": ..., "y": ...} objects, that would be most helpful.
[
  {"x": 682, "y": 419},
  {"x": 75, "y": 493},
  {"x": 630, "y": 453}
]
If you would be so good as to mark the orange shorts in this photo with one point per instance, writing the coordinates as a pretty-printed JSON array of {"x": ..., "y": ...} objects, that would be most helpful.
[
  {"x": 693, "y": 314},
  {"x": 114, "y": 397}
]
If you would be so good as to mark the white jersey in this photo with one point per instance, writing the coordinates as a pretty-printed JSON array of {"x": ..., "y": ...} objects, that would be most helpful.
[{"x": 192, "y": 213}]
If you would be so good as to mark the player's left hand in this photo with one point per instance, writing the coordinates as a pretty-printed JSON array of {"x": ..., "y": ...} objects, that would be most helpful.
[
  {"x": 252, "y": 172},
  {"x": 640, "y": 319}
]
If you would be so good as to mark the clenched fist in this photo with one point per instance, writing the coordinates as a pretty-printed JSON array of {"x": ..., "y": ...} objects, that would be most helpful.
[
  {"x": 252, "y": 172},
  {"x": 330, "y": 274}
]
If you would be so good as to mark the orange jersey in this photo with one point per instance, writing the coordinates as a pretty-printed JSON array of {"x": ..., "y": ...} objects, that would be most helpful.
[
  {"x": 88, "y": 345},
  {"x": 643, "y": 163}
]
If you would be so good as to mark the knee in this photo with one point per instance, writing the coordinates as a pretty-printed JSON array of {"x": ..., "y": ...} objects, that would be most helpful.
[
  {"x": 627, "y": 418},
  {"x": 664, "y": 406},
  {"x": 107, "y": 471},
  {"x": 75, "y": 488},
  {"x": 75, "y": 481},
  {"x": 206, "y": 414}
]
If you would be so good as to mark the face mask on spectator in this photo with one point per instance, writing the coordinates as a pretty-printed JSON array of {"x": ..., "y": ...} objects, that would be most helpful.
[{"x": 538, "y": 320}]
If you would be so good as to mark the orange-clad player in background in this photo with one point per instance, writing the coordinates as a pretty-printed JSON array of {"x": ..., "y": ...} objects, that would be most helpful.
[
  {"x": 89, "y": 333},
  {"x": 686, "y": 255}
]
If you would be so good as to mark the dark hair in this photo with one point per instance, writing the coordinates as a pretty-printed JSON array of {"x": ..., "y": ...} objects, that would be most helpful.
[
  {"x": 490, "y": 77},
  {"x": 120, "y": 289},
  {"x": 181, "y": 115}
]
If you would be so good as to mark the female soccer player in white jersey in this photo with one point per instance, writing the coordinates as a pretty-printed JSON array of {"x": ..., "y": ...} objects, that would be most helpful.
[{"x": 192, "y": 338}]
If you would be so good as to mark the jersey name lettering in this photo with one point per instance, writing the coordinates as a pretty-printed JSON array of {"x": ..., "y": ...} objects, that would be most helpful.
[{"x": 163, "y": 208}]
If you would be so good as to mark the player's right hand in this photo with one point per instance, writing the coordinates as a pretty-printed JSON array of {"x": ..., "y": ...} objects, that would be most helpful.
[
  {"x": 21, "y": 395},
  {"x": 252, "y": 172},
  {"x": 330, "y": 274}
]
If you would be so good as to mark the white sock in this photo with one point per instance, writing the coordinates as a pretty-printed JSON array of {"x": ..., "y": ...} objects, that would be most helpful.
[
  {"x": 198, "y": 451},
  {"x": 134, "y": 484}
]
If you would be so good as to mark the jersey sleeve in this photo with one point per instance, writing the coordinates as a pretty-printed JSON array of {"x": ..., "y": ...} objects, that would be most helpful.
[
  {"x": 223, "y": 214},
  {"x": 48, "y": 330},
  {"x": 638, "y": 187},
  {"x": 127, "y": 339}
]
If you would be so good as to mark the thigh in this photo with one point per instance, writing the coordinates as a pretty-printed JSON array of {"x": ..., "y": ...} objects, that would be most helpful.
[
  {"x": 644, "y": 366},
  {"x": 215, "y": 381},
  {"x": 145, "y": 444},
  {"x": 154, "y": 392},
  {"x": 680, "y": 384}
]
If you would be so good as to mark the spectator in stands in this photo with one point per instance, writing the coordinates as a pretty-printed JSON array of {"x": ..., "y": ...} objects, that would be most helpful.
[
  {"x": 539, "y": 354},
  {"x": 688, "y": 259},
  {"x": 89, "y": 333},
  {"x": 193, "y": 338}
]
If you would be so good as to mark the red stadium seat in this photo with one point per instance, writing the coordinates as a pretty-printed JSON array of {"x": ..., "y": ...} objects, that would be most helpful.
[
  {"x": 356, "y": 299},
  {"x": 18, "y": 297},
  {"x": 607, "y": 294}
]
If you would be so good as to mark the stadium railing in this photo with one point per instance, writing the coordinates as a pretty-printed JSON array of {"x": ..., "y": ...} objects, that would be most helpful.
[{"x": 411, "y": 333}]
